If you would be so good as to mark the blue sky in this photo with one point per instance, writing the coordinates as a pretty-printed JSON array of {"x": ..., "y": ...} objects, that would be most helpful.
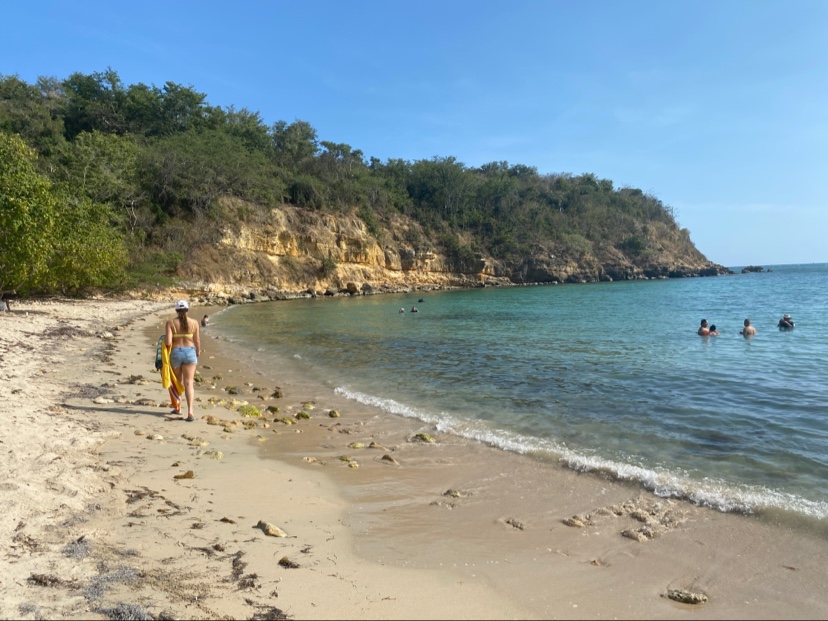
[{"x": 718, "y": 108}]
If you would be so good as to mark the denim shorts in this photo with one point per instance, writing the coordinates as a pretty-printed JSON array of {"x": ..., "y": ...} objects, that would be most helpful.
[{"x": 182, "y": 355}]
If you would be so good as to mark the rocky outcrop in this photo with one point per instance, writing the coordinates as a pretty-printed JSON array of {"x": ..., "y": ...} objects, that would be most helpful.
[{"x": 294, "y": 252}]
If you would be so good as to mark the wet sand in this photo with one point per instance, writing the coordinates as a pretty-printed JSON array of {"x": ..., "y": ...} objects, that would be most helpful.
[{"x": 97, "y": 524}]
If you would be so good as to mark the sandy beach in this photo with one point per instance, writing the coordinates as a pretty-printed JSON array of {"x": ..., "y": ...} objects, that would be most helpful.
[{"x": 322, "y": 508}]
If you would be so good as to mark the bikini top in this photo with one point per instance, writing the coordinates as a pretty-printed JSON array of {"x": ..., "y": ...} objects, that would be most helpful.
[{"x": 182, "y": 335}]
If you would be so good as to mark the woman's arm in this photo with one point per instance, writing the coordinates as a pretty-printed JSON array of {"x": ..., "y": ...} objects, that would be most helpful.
[{"x": 197, "y": 338}]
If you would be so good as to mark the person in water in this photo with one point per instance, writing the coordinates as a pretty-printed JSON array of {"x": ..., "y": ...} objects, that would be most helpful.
[
  {"x": 713, "y": 331},
  {"x": 748, "y": 330},
  {"x": 182, "y": 335},
  {"x": 786, "y": 323},
  {"x": 703, "y": 329},
  {"x": 414, "y": 309},
  {"x": 402, "y": 310},
  {"x": 205, "y": 320}
]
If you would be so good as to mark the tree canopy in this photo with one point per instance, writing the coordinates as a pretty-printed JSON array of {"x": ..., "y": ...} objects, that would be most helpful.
[{"x": 133, "y": 158}]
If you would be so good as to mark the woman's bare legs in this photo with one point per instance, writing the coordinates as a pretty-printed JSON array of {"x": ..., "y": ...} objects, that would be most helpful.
[{"x": 186, "y": 375}]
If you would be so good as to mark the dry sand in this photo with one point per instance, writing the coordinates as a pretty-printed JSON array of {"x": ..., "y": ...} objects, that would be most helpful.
[{"x": 96, "y": 524}]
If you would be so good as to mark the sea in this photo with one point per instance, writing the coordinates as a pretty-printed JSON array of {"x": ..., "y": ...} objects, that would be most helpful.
[{"x": 607, "y": 377}]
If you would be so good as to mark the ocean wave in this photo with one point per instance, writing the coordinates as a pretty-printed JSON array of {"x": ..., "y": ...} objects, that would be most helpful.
[{"x": 709, "y": 492}]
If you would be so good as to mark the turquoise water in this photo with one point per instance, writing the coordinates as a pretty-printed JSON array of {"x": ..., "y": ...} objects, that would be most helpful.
[{"x": 605, "y": 376}]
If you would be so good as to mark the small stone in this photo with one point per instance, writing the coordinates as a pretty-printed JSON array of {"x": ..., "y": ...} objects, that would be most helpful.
[
  {"x": 139, "y": 432},
  {"x": 424, "y": 437},
  {"x": 270, "y": 530},
  {"x": 187, "y": 475},
  {"x": 333, "y": 414},
  {"x": 686, "y": 597},
  {"x": 287, "y": 563},
  {"x": 389, "y": 459}
]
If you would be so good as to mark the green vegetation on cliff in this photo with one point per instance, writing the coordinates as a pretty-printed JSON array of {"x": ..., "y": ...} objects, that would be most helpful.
[{"x": 148, "y": 169}]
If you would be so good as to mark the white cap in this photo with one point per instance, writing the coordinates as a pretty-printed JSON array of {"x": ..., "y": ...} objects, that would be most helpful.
[{"x": 182, "y": 305}]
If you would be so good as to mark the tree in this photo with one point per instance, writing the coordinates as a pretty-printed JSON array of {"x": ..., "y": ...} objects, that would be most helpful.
[
  {"x": 104, "y": 168},
  {"x": 27, "y": 211},
  {"x": 293, "y": 144},
  {"x": 27, "y": 111},
  {"x": 51, "y": 240}
]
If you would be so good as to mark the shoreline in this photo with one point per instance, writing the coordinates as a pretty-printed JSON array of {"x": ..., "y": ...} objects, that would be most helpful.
[{"x": 454, "y": 529}]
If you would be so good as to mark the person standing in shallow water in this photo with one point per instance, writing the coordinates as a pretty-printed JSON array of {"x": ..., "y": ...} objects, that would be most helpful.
[
  {"x": 182, "y": 335},
  {"x": 748, "y": 330},
  {"x": 703, "y": 329}
]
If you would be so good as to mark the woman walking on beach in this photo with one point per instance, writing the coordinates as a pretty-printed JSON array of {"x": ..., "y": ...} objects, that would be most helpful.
[{"x": 182, "y": 335}]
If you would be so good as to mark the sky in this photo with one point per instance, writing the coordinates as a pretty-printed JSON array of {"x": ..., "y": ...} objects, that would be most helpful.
[{"x": 717, "y": 108}]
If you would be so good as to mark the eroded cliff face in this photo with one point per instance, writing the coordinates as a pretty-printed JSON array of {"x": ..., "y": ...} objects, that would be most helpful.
[{"x": 292, "y": 250}]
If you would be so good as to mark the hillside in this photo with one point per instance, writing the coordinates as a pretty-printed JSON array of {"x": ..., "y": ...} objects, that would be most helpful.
[{"x": 139, "y": 187}]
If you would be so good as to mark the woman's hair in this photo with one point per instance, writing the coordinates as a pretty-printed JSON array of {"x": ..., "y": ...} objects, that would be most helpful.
[{"x": 183, "y": 323}]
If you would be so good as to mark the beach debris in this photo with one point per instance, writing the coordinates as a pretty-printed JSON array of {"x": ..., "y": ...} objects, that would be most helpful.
[
  {"x": 50, "y": 580},
  {"x": 374, "y": 445},
  {"x": 424, "y": 437},
  {"x": 389, "y": 459},
  {"x": 126, "y": 611},
  {"x": 515, "y": 524},
  {"x": 134, "y": 379},
  {"x": 232, "y": 390},
  {"x": 344, "y": 458},
  {"x": 227, "y": 520},
  {"x": 187, "y": 475},
  {"x": 212, "y": 420},
  {"x": 78, "y": 549},
  {"x": 353, "y": 464},
  {"x": 333, "y": 414},
  {"x": 578, "y": 521},
  {"x": 286, "y": 420},
  {"x": 302, "y": 415},
  {"x": 287, "y": 563},
  {"x": 214, "y": 454},
  {"x": 176, "y": 464},
  {"x": 356, "y": 445},
  {"x": 277, "y": 393},
  {"x": 455, "y": 493},
  {"x": 270, "y": 530},
  {"x": 273, "y": 409},
  {"x": 139, "y": 432},
  {"x": 261, "y": 438},
  {"x": 155, "y": 436},
  {"x": 310, "y": 459},
  {"x": 228, "y": 429},
  {"x": 686, "y": 597},
  {"x": 102, "y": 400},
  {"x": 645, "y": 533},
  {"x": 249, "y": 411},
  {"x": 199, "y": 442}
]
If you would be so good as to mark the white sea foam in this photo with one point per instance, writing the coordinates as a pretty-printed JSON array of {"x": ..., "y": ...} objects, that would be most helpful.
[{"x": 707, "y": 492}]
